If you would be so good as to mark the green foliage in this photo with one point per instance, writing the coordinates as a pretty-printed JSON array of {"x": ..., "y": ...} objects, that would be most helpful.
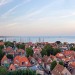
[
  {"x": 53, "y": 64},
  {"x": 55, "y": 51},
  {"x": 1, "y": 40},
  {"x": 29, "y": 52},
  {"x": 58, "y": 42},
  {"x": 9, "y": 56},
  {"x": 22, "y": 72},
  {"x": 3, "y": 71},
  {"x": 20, "y": 46},
  {"x": 72, "y": 48},
  {"x": 1, "y": 54},
  {"x": 1, "y": 46},
  {"x": 43, "y": 52},
  {"x": 47, "y": 50},
  {"x": 8, "y": 43},
  {"x": 61, "y": 63}
]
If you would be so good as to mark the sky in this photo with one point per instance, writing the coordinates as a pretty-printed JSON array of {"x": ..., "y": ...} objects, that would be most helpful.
[{"x": 37, "y": 17}]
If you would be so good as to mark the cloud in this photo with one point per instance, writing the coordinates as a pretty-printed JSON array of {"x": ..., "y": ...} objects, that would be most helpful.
[
  {"x": 3, "y": 2},
  {"x": 40, "y": 10},
  {"x": 36, "y": 12},
  {"x": 12, "y": 9},
  {"x": 50, "y": 5}
]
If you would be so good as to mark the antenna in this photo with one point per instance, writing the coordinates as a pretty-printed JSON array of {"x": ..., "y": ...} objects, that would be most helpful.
[
  {"x": 39, "y": 40},
  {"x": 43, "y": 39}
]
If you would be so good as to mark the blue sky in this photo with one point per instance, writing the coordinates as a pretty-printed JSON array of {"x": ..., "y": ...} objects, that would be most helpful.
[{"x": 37, "y": 17}]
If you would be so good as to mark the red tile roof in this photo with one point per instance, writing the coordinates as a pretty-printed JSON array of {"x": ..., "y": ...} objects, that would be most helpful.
[
  {"x": 52, "y": 57},
  {"x": 19, "y": 60},
  {"x": 68, "y": 52},
  {"x": 68, "y": 59},
  {"x": 12, "y": 67},
  {"x": 60, "y": 55},
  {"x": 72, "y": 64},
  {"x": 46, "y": 59}
]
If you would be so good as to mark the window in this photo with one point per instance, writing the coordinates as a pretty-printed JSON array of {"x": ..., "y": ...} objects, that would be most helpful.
[
  {"x": 23, "y": 63},
  {"x": 32, "y": 62}
]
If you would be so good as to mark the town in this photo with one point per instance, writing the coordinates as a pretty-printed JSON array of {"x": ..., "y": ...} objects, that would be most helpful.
[
  {"x": 37, "y": 37},
  {"x": 40, "y": 58}
]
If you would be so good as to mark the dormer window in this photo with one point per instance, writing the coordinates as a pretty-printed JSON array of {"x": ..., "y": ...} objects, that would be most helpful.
[{"x": 23, "y": 63}]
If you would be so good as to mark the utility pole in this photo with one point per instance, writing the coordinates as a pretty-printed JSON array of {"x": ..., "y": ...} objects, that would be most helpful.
[
  {"x": 39, "y": 40},
  {"x": 5, "y": 39},
  {"x": 43, "y": 39}
]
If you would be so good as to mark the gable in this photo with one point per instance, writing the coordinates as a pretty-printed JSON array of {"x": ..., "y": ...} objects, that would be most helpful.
[{"x": 58, "y": 70}]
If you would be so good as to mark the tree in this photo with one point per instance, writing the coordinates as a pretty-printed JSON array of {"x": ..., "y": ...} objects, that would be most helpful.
[
  {"x": 53, "y": 64},
  {"x": 20, "y": 46},
  {"x": 9, "y": 56},
  {"x": 72, "y": 48},
  {"x": 29, "y": 52},
  {"x": 1, "y": 46},
  {"x": 58, "y": 42},
  {"x": 8, "y": 43},
  {"x": 3, "y": 71},
  {"x": 1, "y": 40},
  {"x": 61, "y": 63},
  {"x": 1, "y": 55},
  {"x": 43, "y": 52},
  {"x": 22, "y": 72},
  {"x": 55, "y": 51},
  {"x": 49, "y": 49}
]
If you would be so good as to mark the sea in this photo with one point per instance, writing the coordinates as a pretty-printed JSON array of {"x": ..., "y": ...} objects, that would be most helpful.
[{"x": 34, "y": 39}]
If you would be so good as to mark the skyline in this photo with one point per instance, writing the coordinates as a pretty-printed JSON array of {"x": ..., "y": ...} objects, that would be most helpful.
[{"x": 37, "y": 17}]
